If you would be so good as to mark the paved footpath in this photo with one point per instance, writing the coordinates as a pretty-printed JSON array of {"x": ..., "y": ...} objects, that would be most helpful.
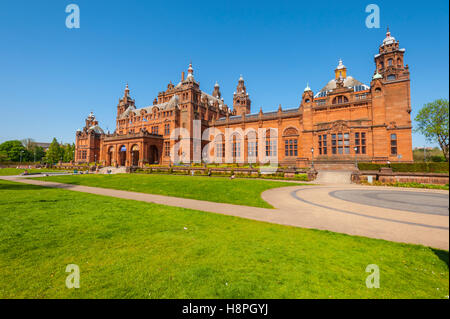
[{"x": 403, "y": 215}]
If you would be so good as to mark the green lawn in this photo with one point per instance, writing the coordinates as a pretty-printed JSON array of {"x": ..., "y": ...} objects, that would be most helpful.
[
  {"x": 18, "y": 171},
  {"x": 214, "y": 189},
  {"x": 130, "y": 249}
]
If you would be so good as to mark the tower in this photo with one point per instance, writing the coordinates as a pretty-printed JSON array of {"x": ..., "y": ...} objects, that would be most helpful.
[
  {"x": 341, "y": 71},
  {"x": 241, "y": 100},
  {"x": 389, "y": 60},
  {"x": 216, "y": 92},
  {"x": 125, "y": 101},
  {"x": 391, "y": 102}
]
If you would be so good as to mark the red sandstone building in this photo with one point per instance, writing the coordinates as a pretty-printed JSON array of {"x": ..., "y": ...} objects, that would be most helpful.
[{"x": 344, "y": 120}]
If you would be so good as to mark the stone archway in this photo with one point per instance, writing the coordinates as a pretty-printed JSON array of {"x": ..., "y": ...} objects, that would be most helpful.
[
  {"x": 110, "y": 156},
  {"x": 153, "y": 155},
  {"x": 122, "y": 155},
  {"x": 135, "y": 155}
]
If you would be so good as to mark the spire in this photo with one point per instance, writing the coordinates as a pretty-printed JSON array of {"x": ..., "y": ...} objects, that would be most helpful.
[
  {"x": 216, "y": 85},
  {"x": 127, "y": 91},
  {"x": 190, "y": 71},
  {"x": 241, "y": 78}
]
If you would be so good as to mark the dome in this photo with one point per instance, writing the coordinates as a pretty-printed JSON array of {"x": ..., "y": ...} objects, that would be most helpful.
[
  {"x": 389, "y": 39},
  {"x": 97, "y": 129},
  {"x": 349, "y": 82},
  {"x": 377, "y": 76},
  {"x": 340, "y": 65},
  {"x": 307, "y": 88}
]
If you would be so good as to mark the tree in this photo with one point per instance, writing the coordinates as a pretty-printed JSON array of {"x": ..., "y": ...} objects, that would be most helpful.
[
  {"x": 54, "y": 152},
  {"x": 3, "y": 157},
  {"x": 38, "y": 153},
  {"x": 432, "y": 122},
  {"x": 14, "y": 151},
  {"x": 68, "y": 152}
]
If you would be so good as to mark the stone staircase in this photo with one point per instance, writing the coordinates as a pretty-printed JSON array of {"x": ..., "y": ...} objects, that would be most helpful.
[
  {"x": 114, "y": 170},
  {"x": 340, "y": 166},
  {"x": 334, "y": 172},
  {"x": 334, "y": 177}
]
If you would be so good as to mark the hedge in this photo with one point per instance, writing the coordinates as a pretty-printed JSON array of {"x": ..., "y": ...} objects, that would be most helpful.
[{"x": 425, "y": 167}]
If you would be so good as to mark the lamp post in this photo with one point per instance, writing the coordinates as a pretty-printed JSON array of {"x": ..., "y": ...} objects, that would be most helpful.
[
  {"x": 95, "y": 159},
  {"x": 312, "y": 153},
  {"x": 21, "y": 153},
  {"x": 356, "y": 159}
]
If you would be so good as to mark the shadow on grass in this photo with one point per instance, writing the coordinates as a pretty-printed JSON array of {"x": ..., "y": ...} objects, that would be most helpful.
[
  {"x": 19, "y": 187},
  {"x": 442, "y": 254}
]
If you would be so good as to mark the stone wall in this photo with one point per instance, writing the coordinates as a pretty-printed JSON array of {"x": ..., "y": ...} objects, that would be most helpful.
[{"x": 387, "y": 176}]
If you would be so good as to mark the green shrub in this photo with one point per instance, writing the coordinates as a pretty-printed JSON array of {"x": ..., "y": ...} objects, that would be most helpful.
[
  {"x": 425, "y": 167},
  {"x": 409, "y": 185}
]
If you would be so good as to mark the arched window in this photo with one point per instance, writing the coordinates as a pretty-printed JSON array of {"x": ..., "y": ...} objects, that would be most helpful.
[
  {"x": 340, "y": 99},
  {"x": 290, "y": 136},
  {"x": 236, "y": 147},
  {"x": 220, "y": 147},
  {"x": 271, "y": 143},
  {"x": 390, "y": 62},
  {"x": 252, "y": 146}
]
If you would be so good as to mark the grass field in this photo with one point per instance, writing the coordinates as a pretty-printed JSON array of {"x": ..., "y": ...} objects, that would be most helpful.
[
  {"x": 130, "y": 249},
  {"x": 213, "y": 189},
  {"x": 18, "y": 171}
]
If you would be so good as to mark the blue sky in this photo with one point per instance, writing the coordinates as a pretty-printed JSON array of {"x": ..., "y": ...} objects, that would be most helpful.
[{"x": 51, "y": 77}]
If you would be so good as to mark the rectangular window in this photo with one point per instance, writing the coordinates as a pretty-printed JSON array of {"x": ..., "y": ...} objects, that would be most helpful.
[
  {"x": 236, "y": 149},
  {"x": 360, "y": 142},
  {"x": 252, "y": 149},
  {"x": 333, "y": 144},
  {"x": 166, "y": 129},
  {"x": 290, "y": 147},
  {"x": 220, "y": 146},
  {"x": 393, "y": 144},
  {"x": 154, "y": 130},
  {"x": 323, "y": 144},
  {"x": 167, "y": 148},
  {"x": 271, "y": 148}
]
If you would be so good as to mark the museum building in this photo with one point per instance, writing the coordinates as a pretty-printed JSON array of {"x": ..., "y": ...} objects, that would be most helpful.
[{"x": 344, "y": 121}]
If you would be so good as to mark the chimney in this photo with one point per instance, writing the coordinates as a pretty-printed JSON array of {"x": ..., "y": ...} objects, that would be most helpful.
[{"x": 182, "y": 76}]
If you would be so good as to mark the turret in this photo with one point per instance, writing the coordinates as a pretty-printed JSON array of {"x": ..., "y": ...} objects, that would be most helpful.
[{"x": 241, "y": 99}]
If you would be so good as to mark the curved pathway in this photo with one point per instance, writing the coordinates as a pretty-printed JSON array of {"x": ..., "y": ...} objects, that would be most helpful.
[
  {"x": 397, "y": 214},
  {"x": 403, "y": 215}
]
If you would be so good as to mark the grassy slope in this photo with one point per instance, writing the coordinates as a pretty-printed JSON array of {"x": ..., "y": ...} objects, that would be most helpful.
[
  {"x": 129, "y": 249},
  {"x": 214, "y": 189},
  {"x": 17, "y": 171}
]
